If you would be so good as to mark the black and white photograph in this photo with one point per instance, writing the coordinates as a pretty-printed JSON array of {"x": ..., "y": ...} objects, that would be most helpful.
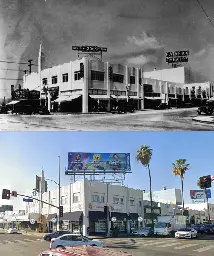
[{"x": 80, "y": 65}]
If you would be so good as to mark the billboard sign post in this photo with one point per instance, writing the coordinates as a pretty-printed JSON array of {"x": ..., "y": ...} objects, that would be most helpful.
[{"x": 79, "y": 162}]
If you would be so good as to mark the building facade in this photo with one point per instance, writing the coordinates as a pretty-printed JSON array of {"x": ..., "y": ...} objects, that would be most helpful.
[{"x": 104, "y": 83}]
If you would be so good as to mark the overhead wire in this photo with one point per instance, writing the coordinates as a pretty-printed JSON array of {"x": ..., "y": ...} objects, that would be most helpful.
[{"x": 205, "y": 13}]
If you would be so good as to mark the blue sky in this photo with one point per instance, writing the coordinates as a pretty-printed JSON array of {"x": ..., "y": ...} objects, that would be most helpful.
[{"x": 24, "y": 154}]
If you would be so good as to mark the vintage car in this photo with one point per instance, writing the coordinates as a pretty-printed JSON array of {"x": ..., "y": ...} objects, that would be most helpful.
[{"x": 206, "y": 108}]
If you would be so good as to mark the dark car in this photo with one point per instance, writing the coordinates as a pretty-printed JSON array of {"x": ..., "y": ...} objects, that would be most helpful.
[
  {"x": 23, "y": 109},
  {"x": 122, "y": 108},
  {"x": 162, "y": 106},
  {"x": 206, "y": 109},
  {"x": 56, "y": 234}
]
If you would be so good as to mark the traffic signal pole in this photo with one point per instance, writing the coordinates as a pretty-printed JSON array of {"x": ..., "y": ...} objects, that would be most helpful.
[
  {"x": 208, "y": 210},
  {"x": 59, "y": 218}
]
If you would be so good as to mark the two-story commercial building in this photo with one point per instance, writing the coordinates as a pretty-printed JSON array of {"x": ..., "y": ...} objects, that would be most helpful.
[{"x": 82, "y": 84}]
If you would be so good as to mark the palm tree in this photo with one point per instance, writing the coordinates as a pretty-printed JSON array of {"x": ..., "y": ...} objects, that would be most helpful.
[
  {"x": 179, "y": 169},
  {"x": 144, "y": 155}
]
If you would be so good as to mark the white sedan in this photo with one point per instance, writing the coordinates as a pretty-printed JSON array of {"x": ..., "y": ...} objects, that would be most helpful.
[
  {"x": 12, "y": 231},
  {"x": 74, "y": 240},
  {"x": 186, "y": 233}
]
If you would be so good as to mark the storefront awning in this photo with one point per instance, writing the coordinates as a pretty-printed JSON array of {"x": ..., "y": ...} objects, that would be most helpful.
[
  {"x": 99, "y": 97},
  {"x": 119, "y": 97},
  {"x": 13, "y": 102},
  {"x": 153, "y": 98},
  {"x": 120, "y": 216},
  {"x": 51, "y": 216},
  {"x": 96, "y": 215},
  {"x": 67, "y": 98},
  {"x": 133, "y": 216},
  {"x": 73, "y": 216},
  {"x": 134, "y": 97}
]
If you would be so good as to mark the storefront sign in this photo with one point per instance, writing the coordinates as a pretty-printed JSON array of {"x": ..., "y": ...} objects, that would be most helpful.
[
  {"x": 79, "y": 161},
  {"x": 96, "y": 206},
  {"x": 177, "y": 56},
  {"x": 89, "y": 48},
  {"x": 113, "y": 219}
]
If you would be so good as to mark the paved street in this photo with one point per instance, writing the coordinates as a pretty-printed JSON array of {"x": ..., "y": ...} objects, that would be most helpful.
[
  {"x": 21, "y": 245},
  {"x": 150, "y": 120}
]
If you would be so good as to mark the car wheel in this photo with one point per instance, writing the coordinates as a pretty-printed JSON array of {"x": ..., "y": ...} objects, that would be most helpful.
[
  {"x": 48, "y": 238},
  {"x": 142, "y": 235},
  {"x": 93, "y": 245},
  {"x": 199, "y": 112},
  {"x": 60, "y": 247},
  {"x": 191, "y": 236}
]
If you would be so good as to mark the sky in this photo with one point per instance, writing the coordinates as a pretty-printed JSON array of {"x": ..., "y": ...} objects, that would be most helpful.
[
  {"x": 24, "y": 154},
  {"x": 136, "y": 32}
]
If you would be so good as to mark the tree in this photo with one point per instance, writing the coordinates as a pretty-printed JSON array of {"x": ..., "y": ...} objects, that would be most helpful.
[
  {"x": 144, "y": 155},
  {"x": 179, "y": 169}
]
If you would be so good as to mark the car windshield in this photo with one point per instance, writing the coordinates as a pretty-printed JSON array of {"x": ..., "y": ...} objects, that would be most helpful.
[{"x": 161, "y": 225}]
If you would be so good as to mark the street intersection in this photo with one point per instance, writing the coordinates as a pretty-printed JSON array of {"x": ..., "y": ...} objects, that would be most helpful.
[{"x": 23, "y": 245}]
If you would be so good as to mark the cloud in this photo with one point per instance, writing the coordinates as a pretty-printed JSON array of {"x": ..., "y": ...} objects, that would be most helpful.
[
  {"x": 145, "y": 41},
  {"x": 200, "y": 53},
  {"x": 142, "y": 60}
]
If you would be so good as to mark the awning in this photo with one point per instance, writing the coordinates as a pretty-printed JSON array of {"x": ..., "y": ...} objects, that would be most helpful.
[
  {"x": 67, "y": 98},
  {"x": 73, "y": 216},
  {"x": 133, "y": 216},
  {"x": 134, "y": 97},
  {"x": 51, "y": 216},
  {"x": 120, "y": 216},
  {"x": 153, "y": 98},
  {"x": 13, "y": 102},
  {"x": 96, "y": 215},
  {"x": 119, "y": 97},
  {"x": 99, "y": 97}
]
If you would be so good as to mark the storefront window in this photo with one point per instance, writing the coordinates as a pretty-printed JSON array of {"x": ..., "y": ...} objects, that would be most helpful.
[
  {"x": 100, "y": 227},
  {"x": 121, "y": 225}
]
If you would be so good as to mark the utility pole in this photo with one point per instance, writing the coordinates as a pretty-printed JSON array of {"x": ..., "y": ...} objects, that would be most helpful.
[
  {"x": 208, "y": 210},
  {"x": 30, "y": 66},
  {"x": 59, "y": 219}
]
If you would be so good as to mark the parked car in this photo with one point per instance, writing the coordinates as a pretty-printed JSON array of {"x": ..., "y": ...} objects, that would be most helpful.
[
  {"x": 162, "y": 106},
  {"x": 23, "y": 109},
  {"x": 123, "y": 108},
  {"x": 83, "y": 250},
  {"x": 206, "y": 109},
  {"x": 143, "y": 232},
  {"x": 12, "y": 231},
  {"x": 56, "y": 234},
  {"x": 74, "y": 240},
  {"x": 199, "y": 228},
  {"x": 186, "y": 233}
]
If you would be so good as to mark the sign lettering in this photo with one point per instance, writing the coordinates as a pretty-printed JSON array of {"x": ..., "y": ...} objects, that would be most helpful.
[
  {"x": 88, "y": 48},
  {"x": 177, "y": 56}
]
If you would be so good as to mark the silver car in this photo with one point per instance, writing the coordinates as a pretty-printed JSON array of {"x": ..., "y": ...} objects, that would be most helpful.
[
  {"x": 74, "y": 240},
  {"x": 142, "y": 232}
]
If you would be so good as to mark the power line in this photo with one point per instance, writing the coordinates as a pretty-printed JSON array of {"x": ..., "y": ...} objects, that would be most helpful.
[
  {"x": 4, "y": 61},
  {"x": 205, "y": 13},
  {"x": 12, "y": 69},
  {"x": 11, "y": 79}
]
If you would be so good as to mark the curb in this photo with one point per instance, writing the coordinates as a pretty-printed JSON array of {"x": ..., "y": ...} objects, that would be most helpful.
[{"x": 203, "y": 121}]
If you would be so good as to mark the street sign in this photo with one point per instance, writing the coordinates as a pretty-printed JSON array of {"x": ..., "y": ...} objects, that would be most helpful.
[
  {"x": 27, "y": 200},
  {"x": 140, "y": 219},
  {"x": 32, "y": 221},
  {"x": 54, "y": 220},
  {"x": 113, "y": 219}
]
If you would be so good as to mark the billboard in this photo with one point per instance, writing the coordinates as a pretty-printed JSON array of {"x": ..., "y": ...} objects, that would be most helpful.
[
  {"x": 199, "y": 194},
  {"x": 177, "y": 56},
  {"x": 88, "y": 48},
  {"x": 79, "y": 161}
]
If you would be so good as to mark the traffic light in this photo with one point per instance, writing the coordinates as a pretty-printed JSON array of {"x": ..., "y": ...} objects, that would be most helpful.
[
  {"x": 6, "y": 194},
  {"x": 110, "y": 72},
  {"x": 61, "y": 211},
  {"x": 14, "y": 193},
  {"x": 46, "y": 186},
  {"x": 81, "y": 70},
  {"x": 205, "y": 181}
]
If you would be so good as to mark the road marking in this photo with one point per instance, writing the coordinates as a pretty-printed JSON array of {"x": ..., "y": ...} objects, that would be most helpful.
[
  {"x": 205, "y": 248},
  {"x": 28, "y": 240},
  {"x": 8, "y": 242},
  {"x": 20, "y": 241},
  {"x": 155, "y": 243},
  {"x": 184, "y": 246},
  {"x": 168, "y": 245}
]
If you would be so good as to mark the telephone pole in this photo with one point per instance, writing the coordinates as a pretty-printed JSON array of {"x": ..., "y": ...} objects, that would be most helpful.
[{"x": 30, "y": 66}]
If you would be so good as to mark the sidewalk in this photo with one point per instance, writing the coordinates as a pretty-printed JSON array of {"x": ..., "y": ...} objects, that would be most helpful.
[{"x": 204, "y": 119}]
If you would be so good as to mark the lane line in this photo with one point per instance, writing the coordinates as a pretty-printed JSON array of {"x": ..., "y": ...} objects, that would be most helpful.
[
  {"x": 184, "y": 246},
  {"x": 168, "y": 245},
  {"x": 205, "y": 248}
]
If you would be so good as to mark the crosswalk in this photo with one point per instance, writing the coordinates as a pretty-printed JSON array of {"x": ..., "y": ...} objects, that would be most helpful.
[
  {"x": 195, "y": 246},
  {"x": 23, "y": 241}
]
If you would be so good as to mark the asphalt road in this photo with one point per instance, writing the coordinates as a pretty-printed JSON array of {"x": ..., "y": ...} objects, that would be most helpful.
[
  {"x": 21, "y": 245},
  {"x": 149, "y": 120}
]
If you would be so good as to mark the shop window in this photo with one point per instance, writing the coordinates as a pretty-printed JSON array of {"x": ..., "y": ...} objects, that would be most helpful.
[
  {"x": 132, "y": 202},
  {"x": 54, "y": 79},
  {"x": 77, "y": 75},
  {"x": 121, "y": 200},
  {"x": 76, "y": 197},
  {"x": 115, "y": 200},
  {"x": 97, "y": 75},
  {"x": 132, "y": 80},
  {"x": 65, "y": 78},
  {"x": 44, "y": 81},
  {"x": 117, "y": 78},
  {"x": 100, "y": 227}
]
